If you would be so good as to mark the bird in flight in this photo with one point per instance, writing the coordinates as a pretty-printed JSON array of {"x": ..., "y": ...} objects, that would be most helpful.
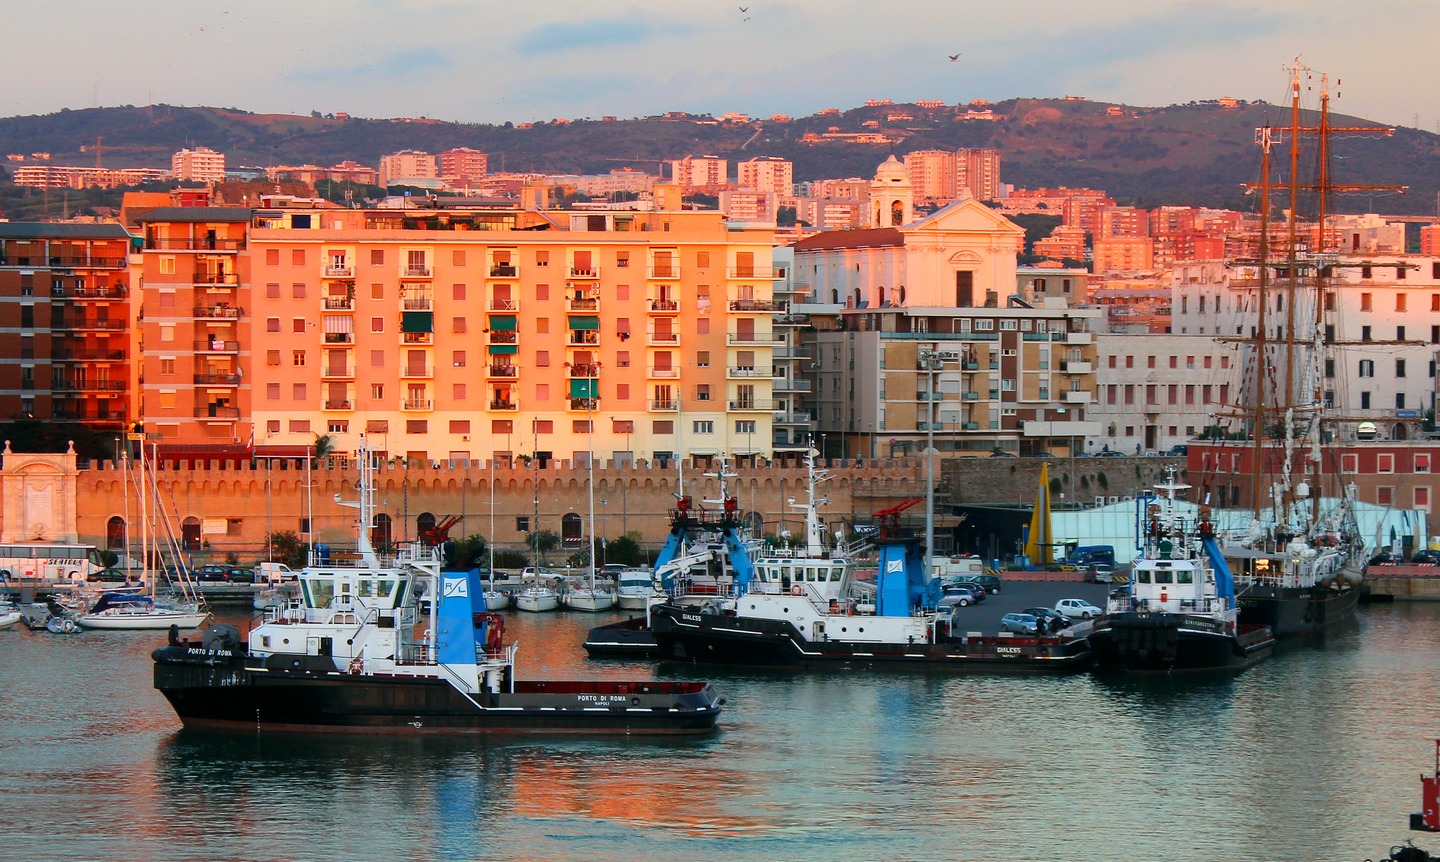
[
  {"x": 744, "y": 8},
  {"x": 954, "y": 57}
]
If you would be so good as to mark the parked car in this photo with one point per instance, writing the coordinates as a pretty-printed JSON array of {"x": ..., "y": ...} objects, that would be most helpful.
[
  {"x": 1112, "y": 453},
  {"x": 240, "y": 575},
  {"x": 1020, "y": 624},
  {"x": 1100, "y": 573},
  {"x": 1426, "y": 557},
  {"x": 963, "y": 595},
  {"x": 539, "y": 572},
  {"x": 1077, "y": 609},
  {"x": 988, "y": 583},
  {"x": 211, "y": 573},
  {"x": 1052, "y": 620}
]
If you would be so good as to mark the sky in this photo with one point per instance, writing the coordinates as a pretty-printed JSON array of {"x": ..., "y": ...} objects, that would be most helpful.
[{"x": 492, "y": 62}]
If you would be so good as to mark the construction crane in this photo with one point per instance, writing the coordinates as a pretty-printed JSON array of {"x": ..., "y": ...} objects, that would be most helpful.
[{"x": 99, "y": 150}]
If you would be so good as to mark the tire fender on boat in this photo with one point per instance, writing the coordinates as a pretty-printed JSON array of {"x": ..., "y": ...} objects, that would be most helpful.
[{"x": 797, "y": 591}]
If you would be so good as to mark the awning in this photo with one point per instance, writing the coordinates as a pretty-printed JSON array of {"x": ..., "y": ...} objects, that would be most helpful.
[
  {"x": 501, "y": 349},
  {"x": 417, "y": 321},
  {"x": 203, "y": 451},
  {"x": 277, "y": 450},
  {"x": 585, "y": 322},
  {"x": 503, "y": 322},
  {"x": 338, "y": 324},
  {"x": 583, "y": 387}
]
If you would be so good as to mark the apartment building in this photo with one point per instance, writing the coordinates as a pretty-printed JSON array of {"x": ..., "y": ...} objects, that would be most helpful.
[
  {"x": 978, "y": 171},
  {"x": 770, "y": 174},
  {"x": 932, "y": 175},
  {"x": 201, "y": 164},
  {"x": 408, "y": 167},
  {"x": 1158, "y": 391},
  {"x": 700, "y": 172},
  {"x": 463, "y": 167},
  {"x": 470, "y": 333},
  {"x": 65, "y": 324},
  {"x": 914, "y": 334}
]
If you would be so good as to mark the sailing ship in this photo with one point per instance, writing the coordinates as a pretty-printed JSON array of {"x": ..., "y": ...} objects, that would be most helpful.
[
  {"x": 1298, "y": 567},
  {"x": 1178, "y": 611},
  {"x": 353, "y": 654}
]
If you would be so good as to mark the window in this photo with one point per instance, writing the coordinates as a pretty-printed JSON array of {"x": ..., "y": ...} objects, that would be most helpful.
[
  {"x": 377, "y": 291},
  {"x": 702, "y": 392},
  {"x": 377, "y": 324},
  {"x": 1422, "y": 498},
  {"x": 522, "y": 523},
  {"x": 167, "y": 366},
  {"x": 622, "y": 259},
  {"x": 1385, "y": 495},
  {"x": 457, "y": 359},
  {"x": 1150, "y": 361},
  {"x": 1422, "y": 462},
  {"x": 297, "y": 358},
  {"x": 622, "y": 391},
  {"x": 299, "y": 426},
  {"x": 1385, "y": 462},
  {"x": 167, "y": 265},
  {"x": 338, "y": 426},
  {"x": 622, "y": 358},
  {"x": 297, "y": 257},
  {"x": 272, "y": 290},
  {"x": 377, "y": 359},
  {"x": 1399, "y": 368},
  {"x": 662, "y": 426},
  {"x": 1367, "y": 368},
  {"x": 297, "y": 391},
  {"x": 703, "y": 426},
  {"x": 297, "y": 290},
  {"x": 702, "y": 326},
  {"x": 1364, "y": 400},
  {"x": 459, "y": 426},
  {"x": 745, "y": 426},
  {"x": 702, "y": 259},
  {"x": 542, "y": 258},
  {"x": 542, "y": 359},
  {"x": 457, "y": 292},
  {"x": 272, "y": 324},
  {"x": 457, "y": 391},
  {"x": 377, "y": 391},
  {"x": 272, "y": 393},
  {"x": 1366, "y": 299},
  {"x": 297, "y": 325},
  {"x": 1400, "y": 297},
  {"x": 272, "y": 257},
  {"x": 457, "y": 257},
  {"x": 272, "y": 426},
  {"x": 417, "y": 426},
  {"x": 1129, "y": 362}
]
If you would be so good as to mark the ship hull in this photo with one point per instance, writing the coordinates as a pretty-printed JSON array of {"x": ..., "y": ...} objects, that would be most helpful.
[
  {"x": 209, "y": 690},
  {"x": 1166, "y": 642},
  {"x": 1297, "y": 611},
  {"x": 684, "y": 634},
  {"x": 630, "y": 637}
]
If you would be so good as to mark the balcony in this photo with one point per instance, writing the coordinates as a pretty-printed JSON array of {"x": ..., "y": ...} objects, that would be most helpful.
[
  {"x": 669, "y": 372},
  {"x": 338, "y": 269},
  {"x": 1079, "y": 338},
  {"x": 222, "y": 278},
  {"x": 994, "y": 394},
  {"x": 503, "y": 336},
  {"x": 663, "y": 272},
  {"x": 582, "y": 338},
  {"x": 666, "y": 339},
  {"x": 503, "y": 371},
  {"x": 1080, "y": 397},
  {"x": 415, "y": 272},
  {"x": 586, "y": 304},
  {"x": 663, "y": 405},
  {"x": 417, "y": 372},
  {"x": 744, "y": 405},
  {"x": 584, "y": 370},
  {"x": 87, "y": 356},
  {"x": 590, "y": 273},
  {"x": 504, "y": 270},
  {"x": 790, "y": 384},
  {"x": 747, "y": 272},
  {"x": 337, "y": 372},
  {"x": 217, "y": 379},
  {"x": 96, "y": 292},
  {"x": 497, "y": 304},
  {"x": 82, "y": 323},
  {"x": 753, "y": 339},
  {"x": 339, "y": 338},
  {"x": 749, "y": 372},
  {"x": 415, "y": 404},
  {"x": 216, "y": 345},
  {"x": 81, "y": 385},
  {"x": 193, "y": 244},
  {"x": 766, "y": 305},
  {"x": 970, "y": 396},
  {"x": 71, "y": 262},
  {"x": 339, "y": 405},
  {"x": 969, "y": 365},
  {"x": 417, "y": 338},
  {"x": 1077, "y": 366},
  {"x": 339, "y": 303},
  {"x": 217, "y": 411},
  {"x": 663, "y": 306},
  {"x": 504, "y": 404},
  {"x": 417, "y": 303},
  {"x": 794, "y": 417},
  {"x": 969, "y": 426},
  {"x": 219, "y": 312},
  {"x": 785, "y": 351},
  {"x": 588, "y": 405}
]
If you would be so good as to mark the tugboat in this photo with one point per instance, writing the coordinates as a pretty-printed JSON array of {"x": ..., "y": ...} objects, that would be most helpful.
[
  {"x": 352, "y": 654},
  {"x": 810, "y": 612},
  {"x": 1178, "y": 611}
]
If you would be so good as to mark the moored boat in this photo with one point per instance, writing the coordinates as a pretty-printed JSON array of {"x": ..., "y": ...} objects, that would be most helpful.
[
  {"x": 1178, "y": 611},
  {"x": 353, "y": 655}
]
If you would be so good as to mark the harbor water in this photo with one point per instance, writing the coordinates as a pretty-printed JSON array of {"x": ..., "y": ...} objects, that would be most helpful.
[{"x": 1312, "y": 755}]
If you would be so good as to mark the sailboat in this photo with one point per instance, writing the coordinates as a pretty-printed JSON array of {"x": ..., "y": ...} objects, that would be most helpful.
[
  {"x": 1298, "y": 567},
  {"x": 589, "y": 597},
  {"x": 536, "y": 594},
  {"x": 131, "y": 610}
]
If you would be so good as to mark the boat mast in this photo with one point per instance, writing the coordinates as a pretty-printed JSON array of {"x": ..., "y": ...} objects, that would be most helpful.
[{"x": 1266, "y": 138}]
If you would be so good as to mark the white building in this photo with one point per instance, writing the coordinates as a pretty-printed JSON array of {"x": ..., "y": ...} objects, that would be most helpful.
[{"x": 201, "y": 164}]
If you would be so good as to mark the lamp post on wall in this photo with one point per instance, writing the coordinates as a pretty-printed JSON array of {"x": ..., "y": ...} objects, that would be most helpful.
[{"x": 931, "y": 362}]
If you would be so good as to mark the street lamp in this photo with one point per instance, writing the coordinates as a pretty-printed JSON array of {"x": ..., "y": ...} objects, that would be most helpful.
[
  {"x": 931, "y": 361},
  {"x": 604, "y": 549}
]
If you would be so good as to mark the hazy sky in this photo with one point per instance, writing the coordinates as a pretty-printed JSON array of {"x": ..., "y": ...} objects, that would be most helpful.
[{"x": 518, "y": 60}]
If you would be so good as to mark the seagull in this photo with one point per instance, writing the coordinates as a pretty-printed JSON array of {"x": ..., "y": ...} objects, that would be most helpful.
[
  {"x": 744, "y": 8},
  {"x": 954, "y": 57}
]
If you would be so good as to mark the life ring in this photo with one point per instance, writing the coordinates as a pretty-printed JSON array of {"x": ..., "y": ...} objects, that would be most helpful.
[
  {"x": 356, "y": 665},
  {"x": 797, "y": 591}
]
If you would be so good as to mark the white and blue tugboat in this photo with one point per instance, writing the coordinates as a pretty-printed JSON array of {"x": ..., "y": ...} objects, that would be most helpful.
[
  {"x": 353, "y": 654},
  {"x": 1179, "y": 610}
]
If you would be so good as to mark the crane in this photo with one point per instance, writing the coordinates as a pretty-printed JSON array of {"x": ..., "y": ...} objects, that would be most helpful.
[{"x": 99, "y": 150}]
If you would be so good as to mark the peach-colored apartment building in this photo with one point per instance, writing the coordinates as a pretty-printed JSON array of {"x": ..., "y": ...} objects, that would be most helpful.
[
  {"x": 464, "y": 166},
  {"x": 459, "y": 333},
  {"x": 1124, "y": 254},
  {"x": 979, "y": 171},
  {"x": 201, "y": 164},
  {"x": 705, "y": 172},
  {"x": 408, "y": 165},
  {"x": 932, "y": 174},
  {"x": 767, "y": 174}
]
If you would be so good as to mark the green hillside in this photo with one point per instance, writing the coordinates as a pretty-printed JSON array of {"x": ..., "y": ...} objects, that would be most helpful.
[{"x": 1195, "y": 154}]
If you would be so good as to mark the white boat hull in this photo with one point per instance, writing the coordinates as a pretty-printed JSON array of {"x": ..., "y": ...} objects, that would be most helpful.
[
  {"x": 109, "y": 620},
  {"x": 633, "y": 602},
  {"x": 9, "y": 618},
  {"x": 589, "y": 600},
  {"x": 496, "y": 600},
  {"x": 537, "y": 602}
]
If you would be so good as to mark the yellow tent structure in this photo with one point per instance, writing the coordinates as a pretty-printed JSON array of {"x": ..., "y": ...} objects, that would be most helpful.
[{"x": 1039, "y": 543}]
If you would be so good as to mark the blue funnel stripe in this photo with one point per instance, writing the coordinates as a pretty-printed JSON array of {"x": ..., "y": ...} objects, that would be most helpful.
[
  {"x": 455, "y": 633},
  {"x": 1224, "y": 580}
]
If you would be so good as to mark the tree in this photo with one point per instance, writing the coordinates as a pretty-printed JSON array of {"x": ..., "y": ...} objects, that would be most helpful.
[
  {"x": 624, "y": 550},
  {"x": 542, "y": 542},
  {"x": 467, "y": 553},
  {"x": 785, "y": 217},
  {"x": 287, "y": 548}
]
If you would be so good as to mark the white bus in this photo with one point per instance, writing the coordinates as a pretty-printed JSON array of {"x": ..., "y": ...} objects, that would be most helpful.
[{"x": 48, "y": 561}]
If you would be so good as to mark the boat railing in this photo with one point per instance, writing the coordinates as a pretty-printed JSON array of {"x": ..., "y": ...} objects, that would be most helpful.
[{"x": 1130, "y": 604}]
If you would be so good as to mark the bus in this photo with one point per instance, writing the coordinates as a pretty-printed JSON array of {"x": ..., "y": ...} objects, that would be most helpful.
[{"x": 48, "y": 561}]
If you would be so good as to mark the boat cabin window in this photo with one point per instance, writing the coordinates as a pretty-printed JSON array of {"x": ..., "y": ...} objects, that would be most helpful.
[
  {"x": 1185, "y": 576},
  {"x": 318, "y": 591},
  {"x": 1164, "y": 576},
  {"x": 1142, "y": 576}
]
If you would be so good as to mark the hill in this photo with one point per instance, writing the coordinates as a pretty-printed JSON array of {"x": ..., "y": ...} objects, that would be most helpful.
[{"x": 1193, "y": 154}]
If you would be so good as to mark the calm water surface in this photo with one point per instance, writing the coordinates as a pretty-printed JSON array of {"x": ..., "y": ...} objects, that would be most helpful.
[{"x": 1313, "y": 755}]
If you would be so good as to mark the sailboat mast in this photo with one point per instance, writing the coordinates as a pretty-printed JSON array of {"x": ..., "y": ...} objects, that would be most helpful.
[
  {"x": 1265, "y": 137},
  {"x": 1291, "y": 244},
  {"x": 1322, "y": 182}
]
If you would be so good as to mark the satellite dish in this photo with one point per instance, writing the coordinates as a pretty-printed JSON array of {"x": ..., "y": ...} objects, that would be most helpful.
[{"x": 1302, "y": 489}]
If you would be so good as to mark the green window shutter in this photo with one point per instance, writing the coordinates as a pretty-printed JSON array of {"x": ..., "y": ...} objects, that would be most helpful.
[
  {"x": 585, "y": 322},
  {"x": 498, "y": 349},
  {"x": 417, "y": 321},
  {"x": 503, "y": 322}
]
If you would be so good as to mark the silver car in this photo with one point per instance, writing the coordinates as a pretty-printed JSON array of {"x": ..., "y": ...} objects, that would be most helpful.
[{"x": 1020, "y": 624}]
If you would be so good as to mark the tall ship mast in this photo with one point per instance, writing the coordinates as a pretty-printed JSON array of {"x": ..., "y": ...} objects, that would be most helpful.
[{"x": 1298, "y": 564}]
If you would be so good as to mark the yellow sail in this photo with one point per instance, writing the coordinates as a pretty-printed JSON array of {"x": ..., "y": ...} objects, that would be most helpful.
[{"x": 1038, "y": 546}]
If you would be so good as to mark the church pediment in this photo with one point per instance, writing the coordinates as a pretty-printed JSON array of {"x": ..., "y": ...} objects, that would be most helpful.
[{"x": 965, "y": 216}]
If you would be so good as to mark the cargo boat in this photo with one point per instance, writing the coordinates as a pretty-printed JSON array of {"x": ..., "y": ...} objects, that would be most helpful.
[{"x": 352, "y": 654}]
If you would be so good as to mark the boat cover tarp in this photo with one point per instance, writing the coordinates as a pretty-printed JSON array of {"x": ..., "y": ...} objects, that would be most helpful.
[{"x": 1224, "y": 580}]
